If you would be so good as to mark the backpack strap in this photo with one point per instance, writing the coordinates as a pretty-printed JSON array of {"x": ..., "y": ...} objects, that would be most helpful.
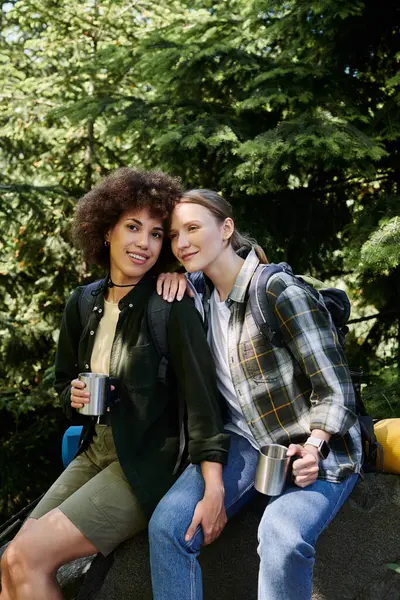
[
  {"x": 87, "y": 300},
  {"x": 260, "y": 306},
  {"x": 373, "y": 453},
  {"x": 158, "y": 312},
  {"x": 335, "y": 300}
]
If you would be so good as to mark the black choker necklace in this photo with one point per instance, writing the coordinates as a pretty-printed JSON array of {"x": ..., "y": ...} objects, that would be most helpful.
[{"x": 111, "y": 284}]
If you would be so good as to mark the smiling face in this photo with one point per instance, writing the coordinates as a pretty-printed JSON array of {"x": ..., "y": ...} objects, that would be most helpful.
[
  {"x": 198, "y": 238},
  {"x": 135, "y": 245}
]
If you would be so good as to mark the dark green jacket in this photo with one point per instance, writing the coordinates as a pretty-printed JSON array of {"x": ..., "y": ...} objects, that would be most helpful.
[{"x": 145, "y": 419}]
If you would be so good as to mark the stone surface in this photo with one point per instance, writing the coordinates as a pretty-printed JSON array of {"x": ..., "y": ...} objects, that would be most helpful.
[
  {"x": 351, "y": 555},
  {"x": 350, "y": 564},
  {"x": 353, "y": 552},
  {"x": 71, "y": 575}
]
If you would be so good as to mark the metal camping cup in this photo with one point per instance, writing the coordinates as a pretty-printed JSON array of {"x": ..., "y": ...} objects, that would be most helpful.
[
  {"x": 98, "y": 386},
  {"x": 272, "y": 469}
]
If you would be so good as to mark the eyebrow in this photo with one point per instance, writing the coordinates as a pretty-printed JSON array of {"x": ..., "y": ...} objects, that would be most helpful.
[
  {"x": 191, "y": 222},
  {"x": 140, "y": 223}
]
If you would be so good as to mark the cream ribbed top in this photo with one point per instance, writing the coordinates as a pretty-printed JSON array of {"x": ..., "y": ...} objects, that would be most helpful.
[{"x": 100, "y": 360}]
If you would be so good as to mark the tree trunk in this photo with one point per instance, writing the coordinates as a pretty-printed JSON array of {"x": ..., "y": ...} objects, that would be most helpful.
[{"x": 89, "y": 155}]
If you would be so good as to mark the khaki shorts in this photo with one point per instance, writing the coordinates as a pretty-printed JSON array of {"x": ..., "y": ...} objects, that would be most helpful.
[{"x": 95, "y": 495}]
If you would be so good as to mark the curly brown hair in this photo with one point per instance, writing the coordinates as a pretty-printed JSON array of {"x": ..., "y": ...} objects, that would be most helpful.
[{"x": 125, "y": 189}]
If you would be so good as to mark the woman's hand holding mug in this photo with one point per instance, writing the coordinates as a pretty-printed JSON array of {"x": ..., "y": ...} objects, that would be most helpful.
[
  {"x": 91, "y": 393},
  {"x": 79, "y": 396}
]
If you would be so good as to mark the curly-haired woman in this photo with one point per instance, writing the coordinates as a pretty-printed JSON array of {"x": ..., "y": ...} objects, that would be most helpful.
[{"x": 127, "y": 460}]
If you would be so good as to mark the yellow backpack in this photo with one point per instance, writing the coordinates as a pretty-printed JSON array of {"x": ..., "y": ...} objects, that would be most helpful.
[{"x": 387, "y": 433}]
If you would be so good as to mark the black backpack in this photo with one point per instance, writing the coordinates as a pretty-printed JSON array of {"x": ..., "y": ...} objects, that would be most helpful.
[
  {"x": 158, "y": 311},
  {"x": 338, "y": 305}
]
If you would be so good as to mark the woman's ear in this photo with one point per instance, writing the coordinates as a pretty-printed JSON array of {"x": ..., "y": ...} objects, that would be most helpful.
[{"x": 228, "y": 227}]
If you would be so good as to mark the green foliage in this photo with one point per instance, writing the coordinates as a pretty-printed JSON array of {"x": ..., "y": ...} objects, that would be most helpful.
[
  {"x": 394, "y": 567},
  {"x": 381, "y": 252},
  {"x": 31, "y": 427},
  {"x": 381, "y": 394},
  {"x": 291, "y": 109}
]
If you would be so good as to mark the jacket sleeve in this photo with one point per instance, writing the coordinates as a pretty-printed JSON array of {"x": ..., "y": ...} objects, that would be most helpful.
[
  {"x": 310, "y": 335},
  {"x": 193, "y": 365},
  {"x": 66, "y": 362}
]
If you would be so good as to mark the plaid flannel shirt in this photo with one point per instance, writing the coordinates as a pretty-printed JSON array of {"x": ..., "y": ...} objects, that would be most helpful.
[{"x": 285, "y": 393}]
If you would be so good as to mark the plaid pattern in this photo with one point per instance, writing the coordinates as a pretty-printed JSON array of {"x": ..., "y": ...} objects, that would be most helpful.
[{"x": 286, "y": 392}]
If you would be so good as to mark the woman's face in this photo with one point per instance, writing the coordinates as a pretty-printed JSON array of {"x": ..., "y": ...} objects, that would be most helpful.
[
  {"x": 197, "y": 238},
  {"x": 135, "y": 245}
]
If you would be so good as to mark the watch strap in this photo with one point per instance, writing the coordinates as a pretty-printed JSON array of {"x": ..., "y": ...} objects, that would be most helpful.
[{"x": 321, "y": 445}]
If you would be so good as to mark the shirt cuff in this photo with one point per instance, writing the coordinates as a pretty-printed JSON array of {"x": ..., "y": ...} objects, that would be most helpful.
[{"x": 213, "y": 449}]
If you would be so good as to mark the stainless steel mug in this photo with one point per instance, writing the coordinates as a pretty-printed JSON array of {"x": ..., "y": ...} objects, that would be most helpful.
[
  {"x": 98, "y": 386},
  {"x": 272, "y": 469}
]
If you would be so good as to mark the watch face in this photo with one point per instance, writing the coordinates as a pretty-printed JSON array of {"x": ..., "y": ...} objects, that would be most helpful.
[
  {"x": 323, "y": 447},
  {"x": 324, "y": 450}
]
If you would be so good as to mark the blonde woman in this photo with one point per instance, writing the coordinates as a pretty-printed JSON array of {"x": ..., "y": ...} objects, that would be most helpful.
[{"x": 300, "y": 396}]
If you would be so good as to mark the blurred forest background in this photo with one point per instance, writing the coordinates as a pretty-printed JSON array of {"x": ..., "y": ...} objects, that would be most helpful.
[{"x": 291, "y": 109}]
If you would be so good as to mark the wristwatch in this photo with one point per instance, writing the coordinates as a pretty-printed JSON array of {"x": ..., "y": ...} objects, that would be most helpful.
[{"x": 320, "y": 445}]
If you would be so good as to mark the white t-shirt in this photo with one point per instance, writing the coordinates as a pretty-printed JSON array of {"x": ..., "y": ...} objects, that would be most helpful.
[{"x": 218, "y": 341}]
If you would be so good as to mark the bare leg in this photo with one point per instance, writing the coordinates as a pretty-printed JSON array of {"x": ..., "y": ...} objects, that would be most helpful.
[
  {"x": 26, "y": 525},
  {"x": 31, "y": 560},
  {"x": 5, "y": 579}
]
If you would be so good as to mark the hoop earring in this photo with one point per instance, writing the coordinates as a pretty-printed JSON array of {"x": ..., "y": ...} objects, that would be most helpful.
[{"x": 107, "y": 244}]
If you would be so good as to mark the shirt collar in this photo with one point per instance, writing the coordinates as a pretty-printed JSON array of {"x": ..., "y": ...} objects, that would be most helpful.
[{"x": 239, "y": 290}]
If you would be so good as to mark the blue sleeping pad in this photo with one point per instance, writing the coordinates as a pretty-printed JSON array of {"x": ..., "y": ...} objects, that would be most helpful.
[{"x": 70, "y": 443}]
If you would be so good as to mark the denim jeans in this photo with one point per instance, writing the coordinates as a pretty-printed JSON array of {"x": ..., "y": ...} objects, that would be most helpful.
[{"x": 287, "y": 534}]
